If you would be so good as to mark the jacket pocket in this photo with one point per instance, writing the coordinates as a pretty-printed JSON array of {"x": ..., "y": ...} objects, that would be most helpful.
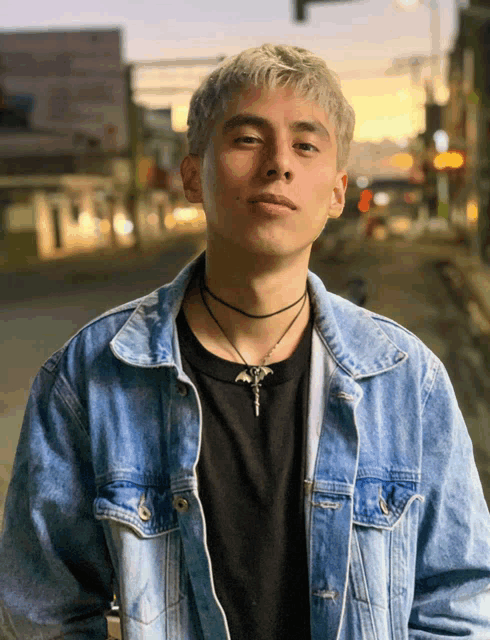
[
  {"x": 145, "y": 509},
  {"x": 383, "y": 552},
  {"x": 382, "y": 503},
  {"x": 144, "y": 541}
]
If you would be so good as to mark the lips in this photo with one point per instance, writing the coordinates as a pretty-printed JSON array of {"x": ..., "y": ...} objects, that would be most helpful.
[{"x": 273, "y": 199}]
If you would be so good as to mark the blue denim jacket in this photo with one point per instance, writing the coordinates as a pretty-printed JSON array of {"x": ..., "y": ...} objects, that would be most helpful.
[{"x": 104, "y": 498}]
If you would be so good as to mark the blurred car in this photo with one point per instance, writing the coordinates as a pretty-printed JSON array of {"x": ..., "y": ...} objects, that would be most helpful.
[
  {"x": 396, "y": 197},
  {"x": 393, "y": 207}
]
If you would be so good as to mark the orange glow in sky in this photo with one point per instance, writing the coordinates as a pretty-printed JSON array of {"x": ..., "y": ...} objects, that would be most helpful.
[{"x": 385, "y": 108}]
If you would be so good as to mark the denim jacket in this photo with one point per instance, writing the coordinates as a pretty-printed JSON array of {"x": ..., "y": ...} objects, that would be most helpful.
[{"x": 104, "y": 497}]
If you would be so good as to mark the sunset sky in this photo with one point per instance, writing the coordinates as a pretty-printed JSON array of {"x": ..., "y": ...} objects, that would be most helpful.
[{"x": 358, "y": 39}]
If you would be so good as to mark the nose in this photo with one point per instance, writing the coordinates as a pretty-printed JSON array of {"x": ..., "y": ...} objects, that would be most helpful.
[{"x": 277, "y": 162}]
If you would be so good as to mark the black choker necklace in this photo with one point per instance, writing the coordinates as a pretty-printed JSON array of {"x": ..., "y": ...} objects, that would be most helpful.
[
  {"x": 249, "y": 315},
  {"x": 253, "y": 374}
]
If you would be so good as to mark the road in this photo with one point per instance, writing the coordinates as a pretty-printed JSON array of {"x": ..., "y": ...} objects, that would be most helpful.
[{"x": 406, "y": 282}]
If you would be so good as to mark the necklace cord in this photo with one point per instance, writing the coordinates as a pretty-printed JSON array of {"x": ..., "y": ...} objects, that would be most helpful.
[
  {"x": 269, "y": 353},
  {"x": 245, "y": 313}
]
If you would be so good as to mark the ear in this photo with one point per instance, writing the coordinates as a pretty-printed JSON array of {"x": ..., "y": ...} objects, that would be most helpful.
[
  {"x": 190, "y": 170},
  {"x": 338, "y": 195}
]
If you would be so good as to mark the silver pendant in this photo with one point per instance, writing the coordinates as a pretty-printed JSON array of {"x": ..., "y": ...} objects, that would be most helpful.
[{"x": 253, "y": 376}]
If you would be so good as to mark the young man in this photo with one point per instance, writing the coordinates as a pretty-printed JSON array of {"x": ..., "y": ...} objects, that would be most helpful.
[{"x": 241, "y": 454}]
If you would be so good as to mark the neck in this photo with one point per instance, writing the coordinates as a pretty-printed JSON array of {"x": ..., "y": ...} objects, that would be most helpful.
[{"x": 259, "y": 286}]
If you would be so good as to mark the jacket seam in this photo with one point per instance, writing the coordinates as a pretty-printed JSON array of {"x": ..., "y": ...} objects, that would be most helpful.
[
  {"x": 67, "y": 396},
  {"x": 435, "y": 371},
  {"x": 383, "y": 319}
]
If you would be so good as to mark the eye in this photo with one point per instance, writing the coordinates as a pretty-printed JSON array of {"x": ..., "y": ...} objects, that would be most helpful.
[
  {"x": 307, "y": 144},
  {"x": 246, "y": 140}
]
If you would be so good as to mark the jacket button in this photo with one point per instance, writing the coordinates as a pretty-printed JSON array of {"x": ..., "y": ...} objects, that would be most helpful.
[
  {"x": 181, "y": 388},
  {"x": 144, "y": 513},
  {"x": 384, "y": 506},
  {"x": 180, "y": 504}
]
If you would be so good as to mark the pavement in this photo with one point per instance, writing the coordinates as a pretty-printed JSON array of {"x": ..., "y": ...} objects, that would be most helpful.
[
  {"x": 477, "y": 279},
  {"x": 468, "y": 276}
]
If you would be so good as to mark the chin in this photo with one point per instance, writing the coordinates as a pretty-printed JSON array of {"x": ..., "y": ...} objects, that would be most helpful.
[
  {"x": 256, "y": 243},
  {"x": 275, "y": 249}
]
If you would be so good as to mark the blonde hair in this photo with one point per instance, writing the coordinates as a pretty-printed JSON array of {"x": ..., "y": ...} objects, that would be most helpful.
[{"x": 270, "y": 66}]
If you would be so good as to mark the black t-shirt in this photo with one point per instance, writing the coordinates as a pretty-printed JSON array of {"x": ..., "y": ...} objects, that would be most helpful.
[{"x": 250, "y": 480}]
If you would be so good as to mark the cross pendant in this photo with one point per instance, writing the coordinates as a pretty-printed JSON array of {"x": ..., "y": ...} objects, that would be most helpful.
[{"x": 253, "y": 376}]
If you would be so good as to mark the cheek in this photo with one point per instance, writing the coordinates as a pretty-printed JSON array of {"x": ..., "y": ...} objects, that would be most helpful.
[
  {"x": 236, "y": 165},
  {"x": 321, "y": 190}
]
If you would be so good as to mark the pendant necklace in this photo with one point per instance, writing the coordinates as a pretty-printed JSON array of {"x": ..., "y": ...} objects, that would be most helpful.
[{"x": 253, "y": 374}]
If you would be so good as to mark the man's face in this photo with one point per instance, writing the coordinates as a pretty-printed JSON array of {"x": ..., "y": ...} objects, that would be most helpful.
[{"x": 268, "y": 142}]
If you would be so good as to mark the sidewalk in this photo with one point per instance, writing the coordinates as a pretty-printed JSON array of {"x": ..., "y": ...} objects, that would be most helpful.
[
  {"x": 477, "y": 278},
  {"x": 470, "y": 278},
  {"x": 468, "y": 272}
]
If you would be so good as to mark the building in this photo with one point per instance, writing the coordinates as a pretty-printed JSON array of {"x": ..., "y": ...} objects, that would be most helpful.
[
  {"x": 467, "y": 121},
  {"x": 81, "y": 165},
  {"x": 63, "y": 134}
]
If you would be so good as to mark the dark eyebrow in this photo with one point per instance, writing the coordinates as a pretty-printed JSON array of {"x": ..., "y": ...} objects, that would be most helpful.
[{"x": 241, "y": 119}]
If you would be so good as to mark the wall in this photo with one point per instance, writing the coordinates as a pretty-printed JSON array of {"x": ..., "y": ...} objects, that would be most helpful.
[{"x": 73, "y": 79}]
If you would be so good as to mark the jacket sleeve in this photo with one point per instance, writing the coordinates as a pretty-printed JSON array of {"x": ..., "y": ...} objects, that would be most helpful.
[
  {"x": 452, "y": 582},
  {"x": 55, "y": 571}
]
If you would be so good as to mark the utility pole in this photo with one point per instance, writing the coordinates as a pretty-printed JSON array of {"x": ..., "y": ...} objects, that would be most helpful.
[{"x": 135, "y": 154}]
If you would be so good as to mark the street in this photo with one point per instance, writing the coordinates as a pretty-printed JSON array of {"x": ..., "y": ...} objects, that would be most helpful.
[{"x": 409, "y": 282}]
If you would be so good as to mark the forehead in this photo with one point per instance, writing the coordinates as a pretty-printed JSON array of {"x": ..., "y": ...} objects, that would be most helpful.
[{"x": 279, "y": 105}]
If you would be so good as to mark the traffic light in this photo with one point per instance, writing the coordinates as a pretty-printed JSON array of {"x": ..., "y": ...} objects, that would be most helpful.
[{"x": 299, "y": 7}]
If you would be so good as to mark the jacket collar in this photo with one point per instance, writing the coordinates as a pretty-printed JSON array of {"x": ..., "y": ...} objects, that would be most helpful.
[{"x": 351, "y": 334}]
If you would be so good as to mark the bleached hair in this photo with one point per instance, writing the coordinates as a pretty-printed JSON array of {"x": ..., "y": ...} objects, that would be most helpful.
[{"x": 270, "y": 66}]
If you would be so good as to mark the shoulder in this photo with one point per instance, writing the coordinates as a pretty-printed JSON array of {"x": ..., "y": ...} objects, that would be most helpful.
[
  {"x": 358, "y": 323},
  {"x": 96, "y": 334},
  {"x": 400, "y": 335}
]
